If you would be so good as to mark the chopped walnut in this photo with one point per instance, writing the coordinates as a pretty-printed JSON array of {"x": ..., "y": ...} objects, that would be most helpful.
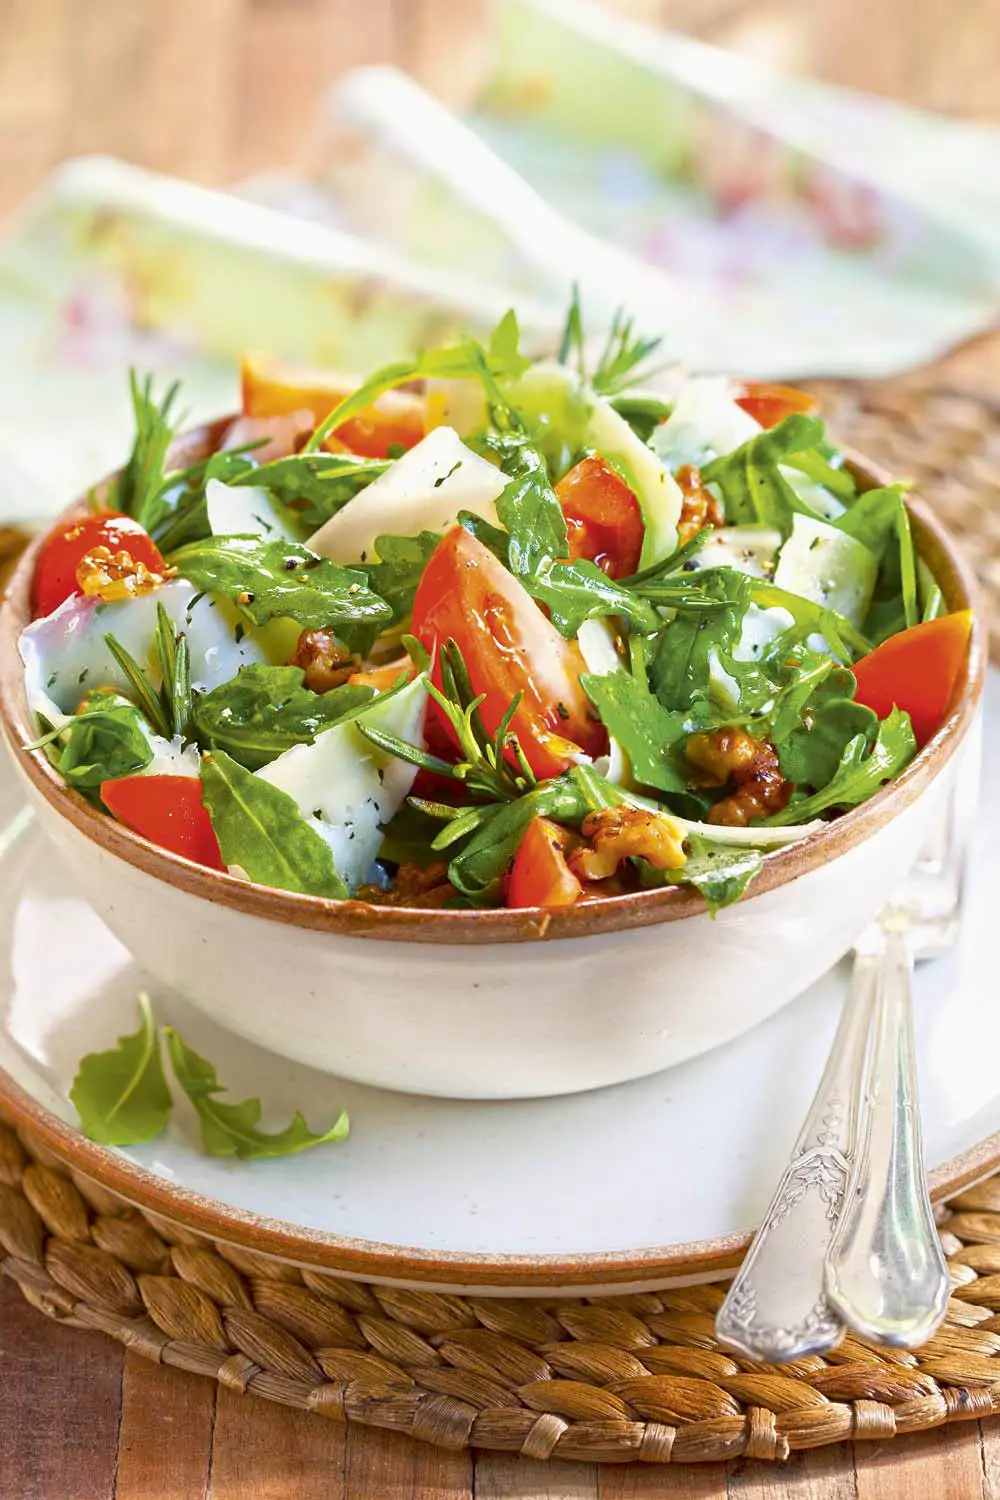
[
  {"x": 414, "y": 885},
  {"x": 700, "y": 507},
  {"x": 733, "y": 757},
  {"x": 615, "y": 834},
  {"x": 108, "y": 575},
  {"x": 323, "y": 659}
]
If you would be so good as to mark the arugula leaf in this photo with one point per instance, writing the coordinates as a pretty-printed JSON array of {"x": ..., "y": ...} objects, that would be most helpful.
[
  {"x": 232, "y": 1129},
  {"x": 479, "y": 869},
  {"x": 108, "y": 740},
  {"x": 810, "y": 618},
  {"x": 752, "y": 486},
  {"x": 577, "y": 591},
  {"x": 268, "y": 578},
  {"x": 260, "y": 829},
  {"x": 399, "y": 569},
  {"x": 138, "y": 490},
  {"x": 720, "y": 873},
  {"x": 872, "y": 519},
  {"x": 263, "y": 711},
  {"x": 121, "y": 1095},
  {"x": 528, "y": 508},
  {"x": 647, "y": 732},
  {"x": 681, "y": 669},
  {"x": 642, "y": 412},
  {"x": 501, "y": 359},
  {"x": 314, "y": 486},
  {"x": 824, "y": 465},
  {"x": 860, "y": 771},
  {"x": 826, "y": 720}
]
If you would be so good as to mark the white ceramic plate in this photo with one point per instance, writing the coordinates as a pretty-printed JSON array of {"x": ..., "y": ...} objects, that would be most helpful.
[{"x": 640, "y": 1185}]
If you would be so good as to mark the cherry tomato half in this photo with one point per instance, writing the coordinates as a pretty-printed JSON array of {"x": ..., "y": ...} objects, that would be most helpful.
[
  {"x": 509, "y": 647},
  {"x": 272, "y": 388},
  {"x": 540, "y": 875},
  {"x": 168, "y": 811},
  {"x": 66, "y": 546},
  {"x": 770, "y": 404},
  {"x": 603, "y": 517},
  {"x": 919, "y": 670}
]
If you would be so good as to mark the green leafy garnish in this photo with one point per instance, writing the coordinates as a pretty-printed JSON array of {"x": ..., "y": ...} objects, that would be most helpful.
[
  {"x": 261, "y": 830},
  {"x": 649, "y": 734},
  {"x": 719, "y": 872},
  {"x": 467, "y": 359},
  {"x": 862, "y": 769},
  {"x": 263, "y": 711},
  {"x": 121, "y": 1095},
  {"x": 314, "y": 486},
  {"x": 232, "y": 1129},
  {"x": 577, "y": 591},
  {"x": 265, "y": 579},
  {"x": 754, "y": 491},
  {"x": 399, "y": 569},
  {"x": 140, "y": 487},
  {"x": 681, "y": 668},
  {"x": 815, "y": 719},
  {"x": 106, "y": 741},
  {"x": 168, "y": 707},
  {"x": 620, "y": 362},
  {"x": 528, "y": 509}
]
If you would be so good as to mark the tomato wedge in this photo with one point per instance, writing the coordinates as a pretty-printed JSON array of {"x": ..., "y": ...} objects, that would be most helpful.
[
  {"x": 65, "y": 548},
  {"x": 919, "y": 669},
  {"x": 770, "y": 404},
  {"x": 509, "y": 647},
  {"x": 272, "y": 388},
  {"x": 168, "y": 811},
  {"x": 540, "y": 875},
  {"x": 603, "y": 517}
]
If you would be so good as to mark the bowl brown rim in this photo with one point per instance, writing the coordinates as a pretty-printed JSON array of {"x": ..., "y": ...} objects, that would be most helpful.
[{"x": 501, "y": 925}]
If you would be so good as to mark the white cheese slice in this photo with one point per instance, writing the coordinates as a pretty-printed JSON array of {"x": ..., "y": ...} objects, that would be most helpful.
[
  {"x": 748, "y": 549},
  {"x": 424, "y": 490},
  {"x": 65, "y": 655},
  {"x": 245, "y": 510},
  {"x": 828, "y": 566},
  {"x": 346, "y": 788},
  {"x": 704, "y": 424}
]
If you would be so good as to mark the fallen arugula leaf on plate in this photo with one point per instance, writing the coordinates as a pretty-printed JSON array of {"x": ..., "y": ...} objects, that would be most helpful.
[
  {"x": 121, "y": 1095},
  {"x": 232, "y": 1129}
]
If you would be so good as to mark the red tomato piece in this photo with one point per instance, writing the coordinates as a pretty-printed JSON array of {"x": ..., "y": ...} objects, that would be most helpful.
[
  {"x": 770, "y": 404},
  {"x": 65, "y": 548},
  {"x": 603, "y": 517},
  {"x": 509, "y": 647},
  {"x": 919, "y": 669},
  {"x": 272, "y": 388},
  {"x": 168, "y": 811},
  {"x": 540, "y": 875}
]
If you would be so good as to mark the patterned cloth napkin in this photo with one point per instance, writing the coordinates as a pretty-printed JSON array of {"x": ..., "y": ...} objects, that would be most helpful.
[{"x": 762, "y": 224}]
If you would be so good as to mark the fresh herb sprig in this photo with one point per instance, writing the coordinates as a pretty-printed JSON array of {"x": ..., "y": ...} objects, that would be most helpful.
[
  {"x": 489, "y": 766},
  {"x": 139, "y": 489},
  {"x": 622, "y": 361},
  {"x": 168, "y": 707}
]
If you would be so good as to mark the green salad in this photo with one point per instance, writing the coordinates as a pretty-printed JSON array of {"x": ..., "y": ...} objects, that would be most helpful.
[{"x": 484, "y": 630}]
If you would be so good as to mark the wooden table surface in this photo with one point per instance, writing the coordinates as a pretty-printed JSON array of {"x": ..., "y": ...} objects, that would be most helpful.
[{"x": 215, "y": 90}]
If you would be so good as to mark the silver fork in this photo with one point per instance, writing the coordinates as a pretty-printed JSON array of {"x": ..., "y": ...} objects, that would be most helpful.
[{"x": 848, "y": 1239}]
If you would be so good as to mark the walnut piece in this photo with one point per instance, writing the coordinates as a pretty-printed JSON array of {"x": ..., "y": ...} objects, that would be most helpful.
[
  {"x": 414, "y": 885},
  {"x": 733, "y": 757},
  {"x": 700, "y": 508},
  {"x": 615, "y": 834},
  {"x": 325, "y": 662}
]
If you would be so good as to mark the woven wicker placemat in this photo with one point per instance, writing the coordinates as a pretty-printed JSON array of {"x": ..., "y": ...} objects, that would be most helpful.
[
  {"x": 609, "y": 1380},
  {"x": 630, "y": 1377}
]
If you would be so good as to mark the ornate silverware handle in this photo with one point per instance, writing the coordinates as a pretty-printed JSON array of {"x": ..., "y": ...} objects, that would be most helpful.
[
  {"x": 886, "y": 1272},
  {"x": 776, "y": 1309}
]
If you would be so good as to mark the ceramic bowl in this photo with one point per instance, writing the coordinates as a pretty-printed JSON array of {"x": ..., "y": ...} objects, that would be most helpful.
[{"x": 496, "y": 1004}]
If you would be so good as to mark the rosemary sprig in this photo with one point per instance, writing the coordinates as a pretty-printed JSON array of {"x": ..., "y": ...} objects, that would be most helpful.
[{"x": 168, "y": 708}]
